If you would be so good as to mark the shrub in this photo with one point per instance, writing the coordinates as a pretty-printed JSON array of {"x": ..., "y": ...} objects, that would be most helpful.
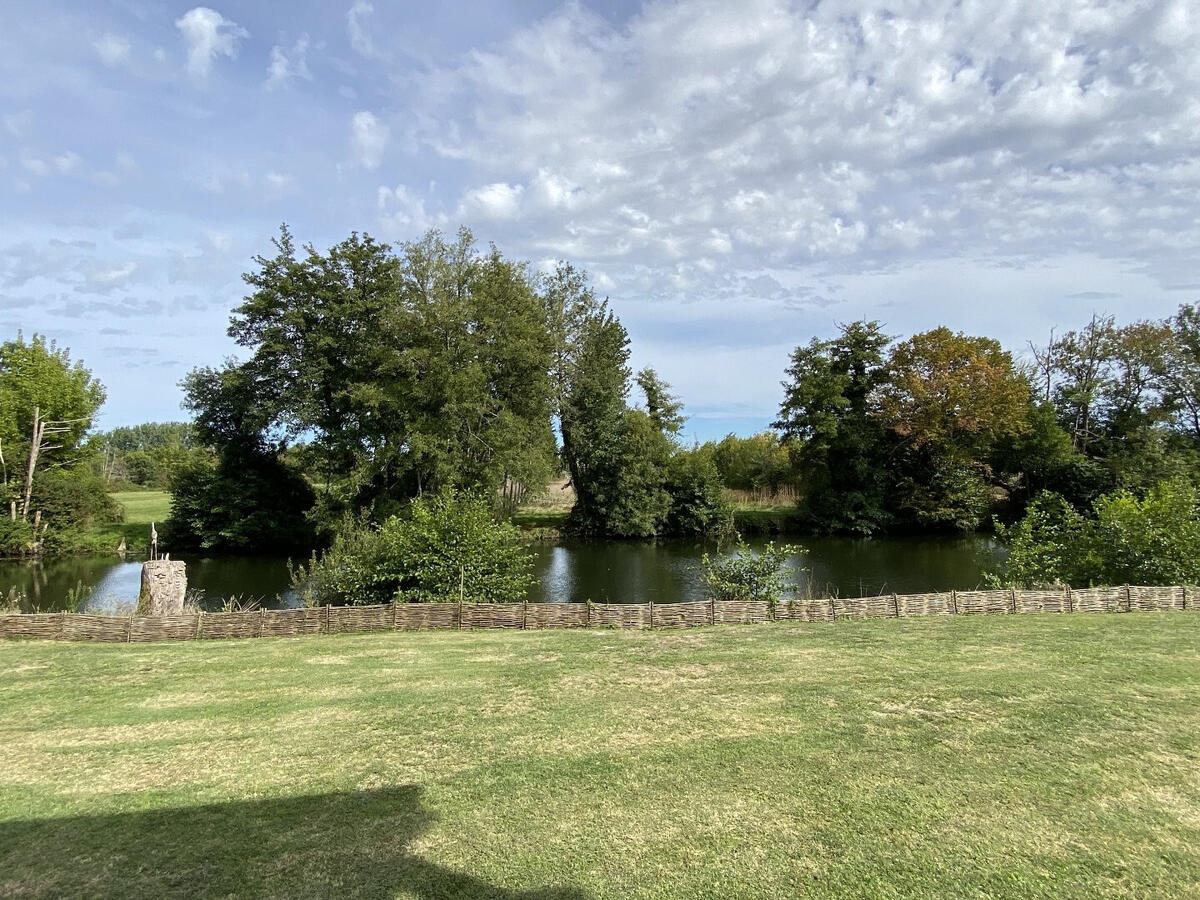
[
  {"x": 447, "y": 546},
  {"x": 749, "y": 576},
  {"x": 1154, "y": 539}
]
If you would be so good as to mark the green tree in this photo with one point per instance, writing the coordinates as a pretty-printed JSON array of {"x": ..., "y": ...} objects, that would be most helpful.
[
  {"x": 1178, "y": 370},
  {"x": 758, "y": 463},
  {"x": 950, "y": 399},
  {"x": 828, "y": 418},
  {"x": 47, "y": 404},
  {"x": 663, "y": 407},
  {"x": 404, "y": 373},
  {"x": 590, "y": 379}
]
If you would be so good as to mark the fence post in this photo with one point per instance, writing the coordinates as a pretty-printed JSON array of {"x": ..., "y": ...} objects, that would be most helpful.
[
  {"x": 651, "y": 614},
  {"x": 328, "y": 628},
  {"x": 1128, "y": 600},
  {"x": 1184, "y": 587},
  {"x": 197, "y": 637},
  {"x": 832, "y": 609},
  {"x": 587, "y": 613},
  {"x": 129, "y": 631},
  {"x": 62, "y": 624},
  {"x": 460, "y": 614},
  {"x": 954, "y": 601},
  {"x": 262, "y": 617},
  {"x": 712, "y": 610},
  {"x": 1070, "y": 600},
  {"x": 1012, "y": 596},
  {"x": 895, "y": 605},
  {"x": 524, "y": 614}
]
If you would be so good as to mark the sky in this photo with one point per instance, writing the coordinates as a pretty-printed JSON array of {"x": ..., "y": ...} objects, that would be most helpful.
[{"x": 736, "y": 177}]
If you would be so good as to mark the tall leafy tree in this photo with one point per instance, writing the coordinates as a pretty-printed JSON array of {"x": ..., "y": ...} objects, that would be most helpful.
[
  {"x": 404, "y": 372},
  {"x": 828, "y": 418},
  {"x": 950, "y": 398},
  {"x": 47, "y": 404}
]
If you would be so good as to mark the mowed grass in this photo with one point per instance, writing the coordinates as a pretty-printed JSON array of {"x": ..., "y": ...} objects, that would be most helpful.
[
  {"x": 144, "y": 507},
  {"x": 1039, "y": 756},
  {"x": 141, "y": 508}
]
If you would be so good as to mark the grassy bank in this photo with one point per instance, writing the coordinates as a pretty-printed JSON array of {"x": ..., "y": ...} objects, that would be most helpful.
[
  {"x": 1042, "y": 756},
  {"x": 140, "y": 508}
]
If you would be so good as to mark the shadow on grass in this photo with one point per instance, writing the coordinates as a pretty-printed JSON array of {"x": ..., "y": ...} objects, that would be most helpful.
[{"x": 332, "y": 845}]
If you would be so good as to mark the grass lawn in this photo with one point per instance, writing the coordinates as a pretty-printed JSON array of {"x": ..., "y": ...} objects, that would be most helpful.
[
  {"x": 141, "y": 508},
  {"x": 1040, "y": 756}
]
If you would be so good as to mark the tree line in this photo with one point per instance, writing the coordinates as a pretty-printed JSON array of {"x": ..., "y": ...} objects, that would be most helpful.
[
  {"x": 375, "y": 375},
  {"x": 371, "y": 376}
]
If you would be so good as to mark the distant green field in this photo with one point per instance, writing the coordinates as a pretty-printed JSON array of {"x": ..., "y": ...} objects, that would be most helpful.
[
  {"x": 141, "y": 508},
  {"x": 1010, "y": 756}
]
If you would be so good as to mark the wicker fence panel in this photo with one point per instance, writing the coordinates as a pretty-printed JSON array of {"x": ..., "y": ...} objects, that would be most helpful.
[
  {"x": 556, "y": 615},
  {"x": 163, "y": 628},
  {"x": 493, "y": 615},
  {"x": 31, "y": 625},
  {"x": 864, "y": 607},
  {"x": 983, "y": 602},
  {"x": 808, "y": 611},
  {"x": 353, "y": 619},
  {"x": 419, "y": 616},
  {"x": 925, "y": 604},
  {"x": 683, "y": 615},
  {"x": 287, "y": 622},
  {"x": 230, "y": 624},
  {"x": 1152, "y": 598},
  {"x": 80, "y": 627},
  {"x": 1044, "y": 602},
  {"x": 621, "y": 615},
  {"x": 1099, "y": 600},
  {"x": 264, "y": 623},
  {"x": 742, "y": 612}
]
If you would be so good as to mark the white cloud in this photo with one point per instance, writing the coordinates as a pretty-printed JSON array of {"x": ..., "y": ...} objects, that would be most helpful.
[
  {"x": 288, "y": 65},
  {"x": 208, "y": 34},
  {"x": 112, "y": 49},
  {"x": 357, "y": 29},
  {"x": 492, "y": 201},
  {"x": 67, "y": 161},
  {"x": 369, "y": 137},
  {"x": 826, "y": 138},
  {"x": 402, "y": 214}
]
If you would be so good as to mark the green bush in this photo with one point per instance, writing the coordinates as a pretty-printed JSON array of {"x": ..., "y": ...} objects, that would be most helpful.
[
  {"x": 749, "y": 576},
  {"x": 1153, "y": 539},
  {"x": 447, "y": 546}
]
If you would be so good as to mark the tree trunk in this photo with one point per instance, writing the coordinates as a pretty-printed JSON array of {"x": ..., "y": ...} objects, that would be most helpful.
[{"x": 35, "y": 446}]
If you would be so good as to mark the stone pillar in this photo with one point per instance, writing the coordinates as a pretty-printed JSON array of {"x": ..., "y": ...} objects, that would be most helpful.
[{"x": 164, "y": 586}]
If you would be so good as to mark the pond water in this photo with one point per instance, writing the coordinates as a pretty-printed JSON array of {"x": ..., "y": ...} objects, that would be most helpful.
[{"x": 619, "y": 572}]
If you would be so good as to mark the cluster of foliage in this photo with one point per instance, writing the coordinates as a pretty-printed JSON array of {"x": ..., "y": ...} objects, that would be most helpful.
[
  {"x": 145, "y": 456},
  {"x": 759, "y": 464},
  {"x": 1126, "y": 539},
  {"x": 385, "y": 375},
  {"x": 943, "y": 429},
  {"x": 748, "y": 576},
  {"x": 445, "y": 547},
  {"x": 47, "y": 490}
]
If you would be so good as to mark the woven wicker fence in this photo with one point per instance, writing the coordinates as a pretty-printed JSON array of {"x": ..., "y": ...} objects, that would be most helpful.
[{"x": 419, "y": 616}]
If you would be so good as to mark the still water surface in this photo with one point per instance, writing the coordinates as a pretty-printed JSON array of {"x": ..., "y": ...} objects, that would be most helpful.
[{"x": 621, "y": 572}]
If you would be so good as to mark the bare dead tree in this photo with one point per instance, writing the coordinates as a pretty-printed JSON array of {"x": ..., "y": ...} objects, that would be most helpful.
[{"x": 37, "y": 446}]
